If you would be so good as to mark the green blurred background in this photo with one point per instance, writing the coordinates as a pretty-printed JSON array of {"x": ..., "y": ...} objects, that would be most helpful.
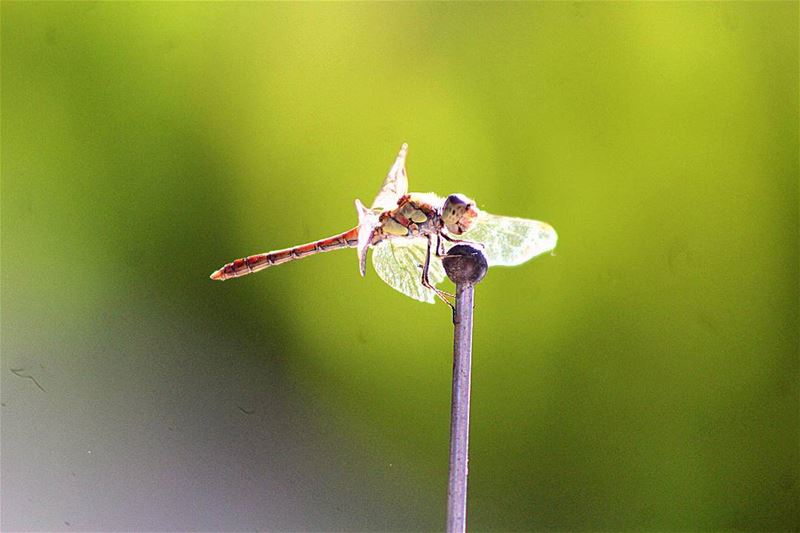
[{"x": 645, "y": 377}]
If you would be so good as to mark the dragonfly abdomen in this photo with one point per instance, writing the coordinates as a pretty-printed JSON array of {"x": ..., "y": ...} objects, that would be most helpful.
[{"x": 254, "y": 263}]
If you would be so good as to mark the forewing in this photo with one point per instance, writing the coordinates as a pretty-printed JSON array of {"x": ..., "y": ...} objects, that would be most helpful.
[
  {"x": 509, "y": 241},
  {"x": 395, "y": 185},
  {"x": 399, "y": 262}
]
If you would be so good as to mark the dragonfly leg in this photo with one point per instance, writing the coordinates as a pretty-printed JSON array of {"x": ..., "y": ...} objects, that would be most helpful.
[
  {"x": 455, "y": 241},
  {"x": 426, "y": 282},
  {"x": 460, "y": 241},
  {"x": 439, "y": 245}
]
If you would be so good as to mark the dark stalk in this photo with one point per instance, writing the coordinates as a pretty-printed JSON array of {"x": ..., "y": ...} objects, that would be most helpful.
[{"x": 465, "y": 266}]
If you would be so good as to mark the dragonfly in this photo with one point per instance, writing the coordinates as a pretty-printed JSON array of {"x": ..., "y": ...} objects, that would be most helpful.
[{"x": 409, "y": 234}]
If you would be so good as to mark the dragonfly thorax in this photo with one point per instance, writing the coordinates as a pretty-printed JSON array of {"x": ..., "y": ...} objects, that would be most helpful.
[
  {"x": 416, "y": 214},
  {"x": 458, "y": 213}
]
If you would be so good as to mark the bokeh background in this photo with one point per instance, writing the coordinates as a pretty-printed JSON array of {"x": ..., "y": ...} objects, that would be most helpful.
[{"x": 645, "y": 377}]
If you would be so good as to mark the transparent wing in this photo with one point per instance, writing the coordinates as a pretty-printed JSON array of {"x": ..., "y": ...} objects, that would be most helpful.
[
  {"x": 395, "y": 185},
  {"x": 510, "y": 241},
  {"x": 399, "y": 262}
]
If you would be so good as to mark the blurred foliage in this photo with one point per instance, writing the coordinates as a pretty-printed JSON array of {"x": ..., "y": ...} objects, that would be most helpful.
[{"x": 645, "y": 377}]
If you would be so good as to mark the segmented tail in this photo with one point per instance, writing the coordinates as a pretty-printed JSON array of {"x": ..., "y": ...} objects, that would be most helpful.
[{"x": 254, "y": 263}]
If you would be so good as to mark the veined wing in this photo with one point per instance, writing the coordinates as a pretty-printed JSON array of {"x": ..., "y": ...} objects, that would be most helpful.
[
  {"x": 509, "y": 241},
  {"x": 395, "y": 185},
  {"x": 399, "y": 262}
]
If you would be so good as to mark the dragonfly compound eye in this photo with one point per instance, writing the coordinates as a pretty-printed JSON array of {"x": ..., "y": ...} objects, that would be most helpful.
[{"x": 458, "y": 212}]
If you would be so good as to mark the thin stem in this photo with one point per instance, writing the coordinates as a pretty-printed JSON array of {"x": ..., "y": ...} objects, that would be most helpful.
[
  {"x": 465, "y": 265},
  {"x": 459, "y": 416}
]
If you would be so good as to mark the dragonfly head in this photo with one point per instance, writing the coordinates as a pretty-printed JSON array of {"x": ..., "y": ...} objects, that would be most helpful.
[{"x": 458, "y": 213}]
